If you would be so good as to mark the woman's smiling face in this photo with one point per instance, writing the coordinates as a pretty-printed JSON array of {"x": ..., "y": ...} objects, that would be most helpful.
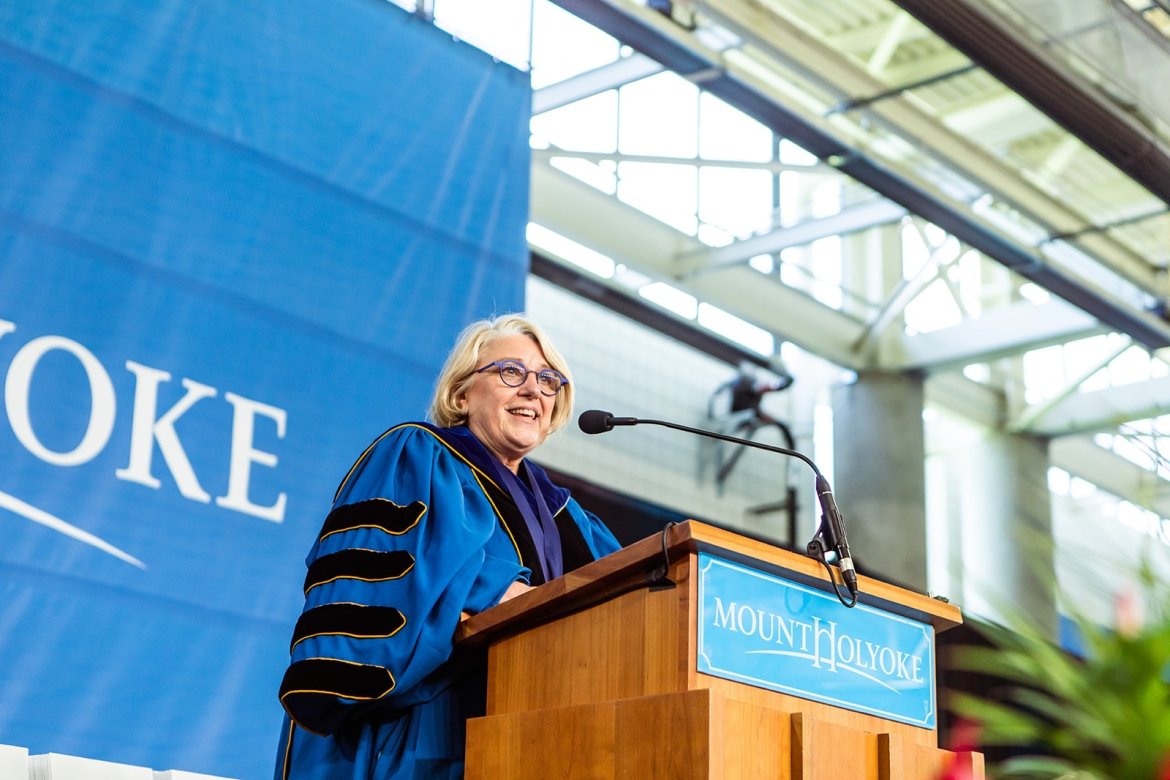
[{"x": 510, "y": 421}]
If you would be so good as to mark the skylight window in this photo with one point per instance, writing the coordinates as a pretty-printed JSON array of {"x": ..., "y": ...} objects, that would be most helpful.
[
  {"x": 765, "y": 264},
  {"x": 739, "y": 331},
  {"x": 500, "y": 28},
  {"x": 568, "y": 249},
  {"x": 671, "y": 299}
]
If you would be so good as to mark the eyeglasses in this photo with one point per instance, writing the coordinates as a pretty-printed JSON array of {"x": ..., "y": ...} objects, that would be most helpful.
[{"x": 513, "y": 373}]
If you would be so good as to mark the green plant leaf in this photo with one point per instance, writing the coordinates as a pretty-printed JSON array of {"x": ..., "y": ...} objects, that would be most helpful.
[
  {"x": 1043, "y": 767},
  {"x": 1002, "y": 723},
  {"x": 1104, "y": 716}
]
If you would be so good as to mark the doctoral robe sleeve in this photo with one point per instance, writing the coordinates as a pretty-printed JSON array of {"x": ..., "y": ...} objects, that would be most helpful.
[
  {"x": 597, "y": 536},
  {"x": 410, "y": 543}
]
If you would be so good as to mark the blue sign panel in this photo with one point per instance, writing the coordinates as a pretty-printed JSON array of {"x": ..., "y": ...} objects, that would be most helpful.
[
  {"x": 236, "y": 243},
  {"x": 762, "y": 630}
]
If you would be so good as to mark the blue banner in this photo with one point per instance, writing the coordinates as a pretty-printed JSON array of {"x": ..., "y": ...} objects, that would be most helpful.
[
  {"x": 236, "y": 242},
  {"x": 762, "y": 630}
]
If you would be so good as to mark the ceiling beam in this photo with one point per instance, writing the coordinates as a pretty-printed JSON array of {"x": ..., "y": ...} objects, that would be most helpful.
[
  {"x": 605, "y": 224},
  {"x": 1052, "y": 87},
  {"x": 966, "y": 398},
  {"x": 997, "y": 333},
  {"x": 676, "y": 48},
  {"x": 892, "y": 37},
  {"x": 1102, "y": 410},
  {"x": 786, "y": 43},
  {"x": 849, "y": 220},
  {"x": 1081, "y": 457},
  {"x": 790, "y": 314},
  {"x": 643, "y": 312},
  {"x": 771, "y": 166},
  {"x": 611, "y": 76},
  {"x": 859, "y": 40}
]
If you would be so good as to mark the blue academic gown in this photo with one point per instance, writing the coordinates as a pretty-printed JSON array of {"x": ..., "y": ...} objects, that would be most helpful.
[{"x": 420, "y": 531}]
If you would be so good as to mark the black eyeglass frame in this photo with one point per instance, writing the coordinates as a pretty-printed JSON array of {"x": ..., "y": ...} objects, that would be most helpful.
[{"x": 501, "y": 365}]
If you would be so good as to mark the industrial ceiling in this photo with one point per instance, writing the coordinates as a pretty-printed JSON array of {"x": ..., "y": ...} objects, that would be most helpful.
[{"x": 1037, "y": 134}]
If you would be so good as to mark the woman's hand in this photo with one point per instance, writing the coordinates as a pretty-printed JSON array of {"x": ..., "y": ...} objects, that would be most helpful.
[{"x": 514, "y": 590}]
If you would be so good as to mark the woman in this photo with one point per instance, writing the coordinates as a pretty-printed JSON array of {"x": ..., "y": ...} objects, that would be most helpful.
[{"x": 432, "y": 521}]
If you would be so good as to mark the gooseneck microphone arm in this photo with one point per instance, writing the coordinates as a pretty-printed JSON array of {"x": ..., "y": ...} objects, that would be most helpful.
[
  {"x": 597, "y": 421},
  {"x": 832, "y": 527}
]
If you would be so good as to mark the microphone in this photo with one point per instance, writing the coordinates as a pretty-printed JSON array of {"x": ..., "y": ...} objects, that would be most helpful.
[
  {"x": 597, "y": 421},
  {"x": 832, "y": 527},
  {"x": 832, "y": 517}
]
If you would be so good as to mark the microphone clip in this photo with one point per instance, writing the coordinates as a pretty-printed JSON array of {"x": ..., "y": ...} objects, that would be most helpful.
[
  {"x": 659, "y": 579},
  {"x": 823, "y": 544}
]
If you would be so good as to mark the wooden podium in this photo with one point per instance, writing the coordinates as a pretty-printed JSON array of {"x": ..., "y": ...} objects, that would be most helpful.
[{"x": 595, "y": 675}]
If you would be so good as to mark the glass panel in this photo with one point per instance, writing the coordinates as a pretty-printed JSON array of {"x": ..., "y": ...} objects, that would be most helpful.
[
  {"x": 501, "y": 27},
  {"x": 665, "y": 192},
  {"x": 660, "y": 116},
  {"x": 671, "y": 298},
  {"x": 726, "y": 133},
  {"x": 737, "y": 330},
  {"x": 589, "y": 125},
  {"x": 564, "y": 46},
  {"x": 737, "y": 200}
]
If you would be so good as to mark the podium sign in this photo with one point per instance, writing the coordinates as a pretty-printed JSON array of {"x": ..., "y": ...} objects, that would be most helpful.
[
  {"x": 763, "y": 630},
  {"x": 743, "y": 670}
]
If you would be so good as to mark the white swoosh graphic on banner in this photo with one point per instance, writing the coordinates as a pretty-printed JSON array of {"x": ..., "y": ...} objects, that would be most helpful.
[{"x": 14, "y": 504}]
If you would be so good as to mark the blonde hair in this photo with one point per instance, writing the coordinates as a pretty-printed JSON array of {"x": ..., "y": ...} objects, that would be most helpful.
[{"x": 457, "y": 375}]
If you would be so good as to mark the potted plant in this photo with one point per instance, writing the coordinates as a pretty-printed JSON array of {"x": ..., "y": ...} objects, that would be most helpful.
[{"x": 1099, "y": 714}]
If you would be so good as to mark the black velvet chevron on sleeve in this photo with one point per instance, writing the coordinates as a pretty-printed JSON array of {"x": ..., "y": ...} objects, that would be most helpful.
[
  {"x": 358, "y": 564},
  {"x": 379, "y": 513},
  {"x": 353, "y": 620},
  {"x": 310, "y": 686}
]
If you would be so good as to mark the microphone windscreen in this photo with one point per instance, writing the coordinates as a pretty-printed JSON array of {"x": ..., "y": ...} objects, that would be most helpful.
[{"x": 595, "y": 421}]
